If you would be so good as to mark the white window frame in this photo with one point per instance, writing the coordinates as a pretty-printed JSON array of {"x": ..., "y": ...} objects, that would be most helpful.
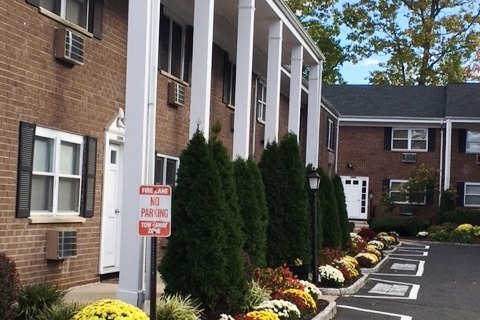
[
  {"x": 402, "y": 182},
  {"x": 330, "y": 135},
  {"x": 164, "y": 166},
  {"x": 63, "y": 12},
  {"x": 58, "y": 137},
  {"x": 472, "y": 143},
  {"x": 409, "y": 139},
  {"x": 168, "y": 69},
  {"x": 467, "y": 195},
  {"x": 261, "y": 100}
]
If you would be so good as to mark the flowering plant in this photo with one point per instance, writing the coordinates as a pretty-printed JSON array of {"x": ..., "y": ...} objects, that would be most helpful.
[
  {"x": 300, "y": 298},
  {"x": 367, "y": 260},
  {"x": 297, "y": 262},
  {"x": 311, "y": 289},
  {"x": 224, "y": 316},
  {"x": 261, "y": 315},
  {"x": 476, "y": 231},
  {"x": 370, "y": 248},
  {"x": 276, "y": 280},
  {"x": 285, "y": 310},
  {"x": 330, "y": 276},
  {"x": 466, "y": 227},
  {"x": 422, "y": 234},
  {"x": 357, "y": 244},
  {"x": 377, "y": 243},
  {"x": 110, "y": 309}
]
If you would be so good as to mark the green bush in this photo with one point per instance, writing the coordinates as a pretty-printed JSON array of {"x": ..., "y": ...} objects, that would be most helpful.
[
  {"x": 176, "y": 307},
  {"x": 35, "y": 298},
  {"x": 404, "y": 226},
  {"x": 342, "y": 212},
  {"x": 60, "y": 311},
  {"x": 460, "y": 216},
  {"x": 9, "y": 285},
  {"x": 332, "y": 234},
  {"x": 283, "y": 174},
  {"x": 201, "y": 257},
  {"x": 447, "y": 201},
  {"x": 253, "y": 209}
]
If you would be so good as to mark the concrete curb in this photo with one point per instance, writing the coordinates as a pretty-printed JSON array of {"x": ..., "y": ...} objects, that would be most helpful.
[
  {"x": 377, "y": 267},
  {"x": 348, "y": 290},
  {"x": 328, "y": 313}
]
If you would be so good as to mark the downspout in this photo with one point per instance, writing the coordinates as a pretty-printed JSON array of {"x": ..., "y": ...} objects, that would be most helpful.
[
  {"x": 254, "y": 122},
  {"x": 337, "y": 145},
  {"x": 440, "y": 186},
  {"x": 448, "y": 154}
]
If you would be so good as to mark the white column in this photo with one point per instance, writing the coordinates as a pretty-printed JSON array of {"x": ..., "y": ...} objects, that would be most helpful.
[
  {"x": 243, "y": 81},
  {"x": 140, "y": 102},
  {"x": 295, "y": 90},
  {"x": 273, "y": 81},
  {"x": 313, "y": 118},
  {"x": 201, "y": 67},
  {"x": 448, "y": 153}
]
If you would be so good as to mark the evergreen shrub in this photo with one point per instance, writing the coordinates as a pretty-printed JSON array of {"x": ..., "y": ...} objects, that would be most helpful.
[
  {"x": 332, "y": 234},
  {"x": 9, "y": 285},
  {"x": 342, "y": 211}
]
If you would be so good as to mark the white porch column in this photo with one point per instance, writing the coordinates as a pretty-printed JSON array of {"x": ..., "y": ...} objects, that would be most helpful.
[
  {"x": 243, "y": 81},
  {"x": 295, "y": 90},
  {"x": 448, "y": 153},
  {"x": 313, "y": 118},
  {"x": 273, "y": 81},
  {"x": 140, "y": 101},
  {"x": 201, "y": 67}
]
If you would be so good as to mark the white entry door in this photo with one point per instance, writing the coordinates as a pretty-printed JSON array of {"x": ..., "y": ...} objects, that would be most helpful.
[
  {"x": 356, "y": 197},
  {"x": 111, "y": 217}
]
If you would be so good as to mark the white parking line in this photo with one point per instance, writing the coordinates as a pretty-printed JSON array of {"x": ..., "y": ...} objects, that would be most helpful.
[
  {"x": 410, "y": 253},
  {"x": 401, "y": 316},
  {"x": 412, "y": 296},
  {"x": 419, "y": 273}
]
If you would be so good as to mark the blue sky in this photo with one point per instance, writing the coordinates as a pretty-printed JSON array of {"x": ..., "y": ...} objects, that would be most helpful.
[{"x": 357, "y": 73}]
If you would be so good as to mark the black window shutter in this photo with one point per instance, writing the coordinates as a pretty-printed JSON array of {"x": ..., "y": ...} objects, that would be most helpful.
[
  {"x": 24, "y": 170},
  {"x": 188, "y": 53},
  {"x": 96, "y": 18},
  {"x": 387, "y": 140},
  {"x": 35, "y": 3},
  {"x": 431, "y": 139},
  {"x": 462, "y": 140},
  {"x": 460, "y": 193},
  {"x": 90, "y": 156},
  {"x": 227, "y": 67},
  {"x": 429, "y": 198},
  {"x": 385, "y": 185}
]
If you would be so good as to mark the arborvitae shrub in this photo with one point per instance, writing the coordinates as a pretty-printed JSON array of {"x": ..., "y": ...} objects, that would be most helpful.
[
  {"x": 253, "y": 209},
  {"x": 9, "y": 285},
  {"x": 196, "y": 261},
  {"x": 331, "y": 222},
  {"x": 342, "y": 211},
  {"x": 288, "y": 233},
  {"x": 447, "y": 201}
]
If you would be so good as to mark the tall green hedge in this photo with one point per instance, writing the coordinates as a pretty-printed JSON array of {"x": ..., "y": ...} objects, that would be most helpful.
[
  {"x": 332, "y": 237},
  {"x": 342, "y": 211},
  {"x": 198, "y": 260},
  {"x": 283, "y": 174},
  {"x": 253, "y": 209}
]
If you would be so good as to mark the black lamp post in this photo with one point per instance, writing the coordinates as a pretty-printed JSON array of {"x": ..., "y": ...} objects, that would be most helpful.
[
  {"x": 370, "y": 202},
  {"x": 314, "y": 183}
]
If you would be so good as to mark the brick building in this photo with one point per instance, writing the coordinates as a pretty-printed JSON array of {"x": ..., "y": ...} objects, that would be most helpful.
[
  {"x": 67, "y": 73},
  {"x": 386, "y": 131}
]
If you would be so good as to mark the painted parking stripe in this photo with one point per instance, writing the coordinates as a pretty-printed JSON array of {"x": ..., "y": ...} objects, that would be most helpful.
[
  {"x": 418, "y": 264},
  {"x": 400, "y": 316},
  {"x": 390, "y": 287},
  {"x": 411, "y": 244},
  {"x": 409, "y": 252}
]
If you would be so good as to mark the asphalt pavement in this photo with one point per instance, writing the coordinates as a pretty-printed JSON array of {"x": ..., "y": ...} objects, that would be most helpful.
[{"x": 427, "y": 281}]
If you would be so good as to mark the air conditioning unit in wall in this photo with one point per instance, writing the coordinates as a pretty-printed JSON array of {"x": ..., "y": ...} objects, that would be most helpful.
[
  {"x": 176, "y": 94},
  {"x": 61, "y": 244},
  {"x": 409, "y": 157},
  {"x": 69, "y": 46}
]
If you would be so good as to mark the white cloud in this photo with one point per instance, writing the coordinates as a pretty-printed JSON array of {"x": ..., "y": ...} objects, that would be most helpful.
[{"x": 369, "y": 62}]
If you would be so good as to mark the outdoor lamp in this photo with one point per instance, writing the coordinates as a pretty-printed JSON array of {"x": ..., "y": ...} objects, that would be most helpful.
[
  {"x": 314, "y": 183},
  {"x": 370, "y": 194}
]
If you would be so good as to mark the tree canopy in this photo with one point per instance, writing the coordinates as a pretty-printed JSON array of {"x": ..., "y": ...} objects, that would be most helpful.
[{"x": 427, "y": 42}]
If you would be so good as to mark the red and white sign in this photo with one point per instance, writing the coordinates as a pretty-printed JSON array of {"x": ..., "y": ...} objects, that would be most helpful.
[{"x": 154, "y": 211}]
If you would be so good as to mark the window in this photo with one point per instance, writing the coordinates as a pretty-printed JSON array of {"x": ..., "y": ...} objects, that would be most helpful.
[
  {"x": 84, "y": 14},
  {"x": 397, "y": 193},
  {"x": 175, "y": 47},
  {"x": 74, "y": 11},
  {"x": 261, "y": 100},
  {"x": 166, "y": 170},
  {"x": 56, "y": 175},
  {"x": 473, "y": 142},
  {"x": 472, "y": 194},
  {"x": 409, "y": 139},
  {"x": 229, "y": 80},
  {"x": 330, "y": 135}
]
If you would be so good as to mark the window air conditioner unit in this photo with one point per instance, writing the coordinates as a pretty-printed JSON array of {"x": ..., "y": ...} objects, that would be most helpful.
[
  {"x": 69, "y": 47},
  {"x": 176, "y": 94},
  {"x": 406, "y": 210},
  {"x": 409, "y": 157},
  {"x": 478, "y": 158},
  {"x": 61, "y": 244}
]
